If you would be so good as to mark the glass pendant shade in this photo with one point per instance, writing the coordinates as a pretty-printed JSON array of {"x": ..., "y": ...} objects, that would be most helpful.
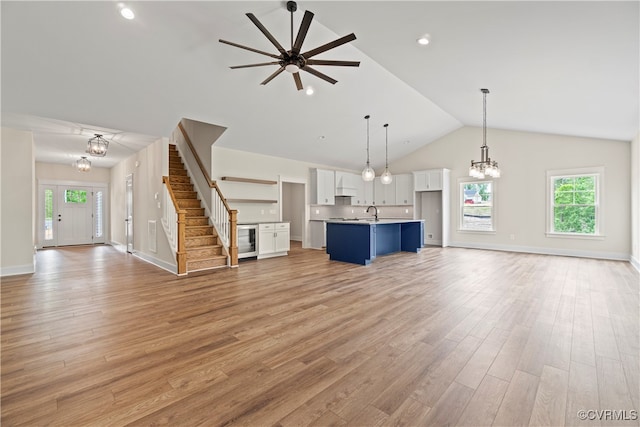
[
  {"x": 97, "y": 146},
  {"x": 386, "y": 177},
  {"x": 83, "y": 164},
  {"x": 485, "y": 166},
  {"x": 368, "y": 174}
]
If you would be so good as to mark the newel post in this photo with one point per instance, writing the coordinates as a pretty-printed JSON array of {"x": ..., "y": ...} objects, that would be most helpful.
[
  {"x": 233, "y": 237},
  {"x": 181, "y": 254}
]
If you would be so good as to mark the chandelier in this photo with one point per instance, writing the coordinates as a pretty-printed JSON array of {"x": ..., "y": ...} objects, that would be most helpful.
[
  {"x": 83, "y": 164},
  {"x": 486, "y": 166},
  {"x": 97, "y": 146},
  {"x": 368, "y": 174}
]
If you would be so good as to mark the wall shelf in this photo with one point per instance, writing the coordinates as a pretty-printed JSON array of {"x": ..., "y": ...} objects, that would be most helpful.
[
  {"x": 251, "y": 201},
  {"x": 249, "y": 180}
]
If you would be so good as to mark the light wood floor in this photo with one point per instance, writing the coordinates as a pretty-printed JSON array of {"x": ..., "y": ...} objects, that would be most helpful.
[{"x": 444, "y": 337}]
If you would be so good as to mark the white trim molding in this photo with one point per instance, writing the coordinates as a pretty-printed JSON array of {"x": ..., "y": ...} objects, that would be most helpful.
[{"x": 17, "y": 270}]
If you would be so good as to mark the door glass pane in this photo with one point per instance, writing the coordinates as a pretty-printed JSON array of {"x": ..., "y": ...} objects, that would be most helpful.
[
  {"x": 98, "y": 213},
  {"x": 75, "y": 196},
  {"x": 48, "y": 214}
]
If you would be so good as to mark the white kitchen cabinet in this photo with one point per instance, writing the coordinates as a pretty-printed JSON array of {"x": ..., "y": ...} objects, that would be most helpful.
[
  {"x": 404, "y": 189},
  {"x": 384, "y": 194},
  {"x": 273, "y": 239},
  {"x": 323, "y": 187},
  {"x": 428, "y": 180},
  {"x": 364, "y": 196}
]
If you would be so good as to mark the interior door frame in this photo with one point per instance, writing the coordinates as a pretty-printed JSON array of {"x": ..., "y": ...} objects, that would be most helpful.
[
  {"x": 43, "y": 183},
  {"x": 129, "y": 212},
  {"x": 282, "y": 179}
]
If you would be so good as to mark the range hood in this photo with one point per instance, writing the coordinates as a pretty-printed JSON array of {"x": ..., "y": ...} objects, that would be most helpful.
[{"x": 346, "y": 192}]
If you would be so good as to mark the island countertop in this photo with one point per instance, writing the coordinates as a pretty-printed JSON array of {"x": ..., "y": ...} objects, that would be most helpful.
[{"x": 361, "y": 241}]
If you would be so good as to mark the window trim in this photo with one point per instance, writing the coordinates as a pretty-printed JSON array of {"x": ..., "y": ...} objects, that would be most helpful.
[
  {"x": 598, "y": 173},
  {"x": 494, "y": 220}
]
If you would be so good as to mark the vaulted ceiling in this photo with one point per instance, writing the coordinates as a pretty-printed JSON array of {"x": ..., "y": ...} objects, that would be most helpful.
[{"x": 72, "y": 69}]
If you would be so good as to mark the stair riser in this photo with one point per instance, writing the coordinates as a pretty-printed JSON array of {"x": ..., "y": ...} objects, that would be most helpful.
[
  {"x": 185, "y": 194},
  {"x": 197, "y": 221},
  {"x": 204, "y": 264},
  {"x": 195, "y": 212},
  {"x": 199, "y": 231},
  {"x": 195, "y": 242},
  {"x": 176, "y": 186},
  {"x": 196, "y": 254},
  {"x": 179, "y": 179},
  {"x": 189, "y": 203}
]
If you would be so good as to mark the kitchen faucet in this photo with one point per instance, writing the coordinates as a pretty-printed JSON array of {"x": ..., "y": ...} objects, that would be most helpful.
[{"x": 376, "y": 212}]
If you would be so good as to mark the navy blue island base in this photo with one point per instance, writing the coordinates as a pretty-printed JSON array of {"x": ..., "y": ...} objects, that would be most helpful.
[{"x": 359, "y": 242}]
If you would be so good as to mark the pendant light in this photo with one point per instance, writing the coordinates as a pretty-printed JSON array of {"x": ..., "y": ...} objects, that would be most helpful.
[
  {"x": 97, "y": 146},
  {"x": 485, "y": 166},
  {"x": 368, "y": 174},
  {"x": 83, "y": 164},
  {"x": 386, "y": 177}
]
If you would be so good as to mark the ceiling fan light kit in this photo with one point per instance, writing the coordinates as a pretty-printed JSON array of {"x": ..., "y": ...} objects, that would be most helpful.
[
  {"x": 293, "y": 60},
  {"x": 485, "y": 166}
]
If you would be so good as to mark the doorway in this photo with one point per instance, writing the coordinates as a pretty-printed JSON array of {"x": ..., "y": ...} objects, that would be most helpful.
[
  {"x": 128, "y": 206},
  {"x": 71, "y": 214},
  {"x": 293, "y": 209}
]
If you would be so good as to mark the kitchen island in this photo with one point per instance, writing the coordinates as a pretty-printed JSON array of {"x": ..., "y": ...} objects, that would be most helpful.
[{"x": 361, "y": 241}]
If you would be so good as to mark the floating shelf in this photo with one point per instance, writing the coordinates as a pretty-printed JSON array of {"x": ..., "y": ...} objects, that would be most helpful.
[
  {"x": 249, "y": 180},
  {"x": 251, "y": 201}
]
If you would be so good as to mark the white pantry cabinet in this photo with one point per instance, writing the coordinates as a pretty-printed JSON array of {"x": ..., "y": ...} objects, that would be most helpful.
[{"x": 428, "y": 180}]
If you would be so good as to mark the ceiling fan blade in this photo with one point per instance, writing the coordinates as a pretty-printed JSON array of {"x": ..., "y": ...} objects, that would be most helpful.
[
  {"x": 319, "y": 74},
  {"x": 296, "y": 78},
  {"x": 255, "y": 65},
  {"x": 272, "y": 76},
  {"x": 328, "y": 62},
  {"x": 266, "y": 33},
  {"x": 330, "y": 45},
  {"x": 249, "y": 48},
  {"x": 302, "y": 32}
]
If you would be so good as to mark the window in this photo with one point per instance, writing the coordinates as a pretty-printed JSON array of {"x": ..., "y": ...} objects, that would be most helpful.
[
  {"x": 476, "y": 206},
  {"x": 97, "y": 201},
  {"x": 75, "y": 196},
  {"x": 574, "y": 200},
  {"x": 48, "y": 214}
]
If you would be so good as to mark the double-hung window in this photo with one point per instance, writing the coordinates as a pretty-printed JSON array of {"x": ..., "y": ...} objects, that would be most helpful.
[
  {"x": 477, "y": 206},
  {"x": 574, "y": 202}
]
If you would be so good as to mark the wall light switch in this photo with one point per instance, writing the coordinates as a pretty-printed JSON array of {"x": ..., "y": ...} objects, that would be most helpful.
[
  {"x": 272, "y": 211},
  {"x": 159, "y": 205},
  {"x": 317, "y": 211},
  {"x": 406, "y": 211}
]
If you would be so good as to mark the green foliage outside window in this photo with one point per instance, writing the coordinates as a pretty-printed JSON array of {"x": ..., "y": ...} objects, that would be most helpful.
[
  {"x": 575, "y": 204},
  {"x": 75, "y": 196}
]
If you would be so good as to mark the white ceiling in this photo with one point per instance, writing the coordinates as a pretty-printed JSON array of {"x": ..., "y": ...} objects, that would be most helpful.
[{"x": 72, "y": 69}]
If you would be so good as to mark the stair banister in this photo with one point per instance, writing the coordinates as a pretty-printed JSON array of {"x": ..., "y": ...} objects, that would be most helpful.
[
  {"x": 176, "y": 221},
  {"x": 224, "y": 218}
]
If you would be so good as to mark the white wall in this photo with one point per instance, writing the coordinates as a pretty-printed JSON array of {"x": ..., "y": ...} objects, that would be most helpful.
[
  {"x": 17, "y": 203},
  {"x": 524, "y": 159},
  {"x": 635, "y": 201},
  {"x": 148, "y": 168},
  {"x": 60, "y": 172}
]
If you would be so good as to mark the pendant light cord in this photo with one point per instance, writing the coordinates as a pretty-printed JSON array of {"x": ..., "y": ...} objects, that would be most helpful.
[
  {"x": 386, "y": 146},
  {"x": 367, "y": 118}
]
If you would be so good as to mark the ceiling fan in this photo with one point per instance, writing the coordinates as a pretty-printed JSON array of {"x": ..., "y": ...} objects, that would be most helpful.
[{"x": 293, "y": 60}]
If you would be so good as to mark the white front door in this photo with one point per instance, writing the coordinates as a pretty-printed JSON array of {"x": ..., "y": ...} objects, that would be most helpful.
[{"x": 75, "y": 215}]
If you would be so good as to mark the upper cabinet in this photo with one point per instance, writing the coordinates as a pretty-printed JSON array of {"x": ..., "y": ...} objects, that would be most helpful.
[
  {"x": 428, "y": 180},
  {"x": 404, "y": 189},
  {"x": 384, "y": 194},
  {"x": 323, "y": 187}
]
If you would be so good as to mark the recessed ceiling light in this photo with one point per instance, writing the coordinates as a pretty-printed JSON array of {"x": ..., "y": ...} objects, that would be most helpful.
[
  {"x": 424, "y": 40},
  {"x": 127, "y": 13},
  {"x": 309, "y": 90}
]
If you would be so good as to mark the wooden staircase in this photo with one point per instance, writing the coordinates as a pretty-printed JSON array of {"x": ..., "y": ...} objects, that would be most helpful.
[{"x": 203, "y": 247}]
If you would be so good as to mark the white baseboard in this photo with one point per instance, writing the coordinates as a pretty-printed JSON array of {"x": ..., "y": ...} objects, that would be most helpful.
[
  {"x": 635, "y": 262},
  {"x": 296, "y": 238},
  {"x": 16, "y": 270},
  {"x": 171, "y": 268},
  {"x": 544, "y": 251}
]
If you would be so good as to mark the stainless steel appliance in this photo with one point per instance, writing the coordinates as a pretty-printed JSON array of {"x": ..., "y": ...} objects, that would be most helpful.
[{"x": 247, "y": 240}]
